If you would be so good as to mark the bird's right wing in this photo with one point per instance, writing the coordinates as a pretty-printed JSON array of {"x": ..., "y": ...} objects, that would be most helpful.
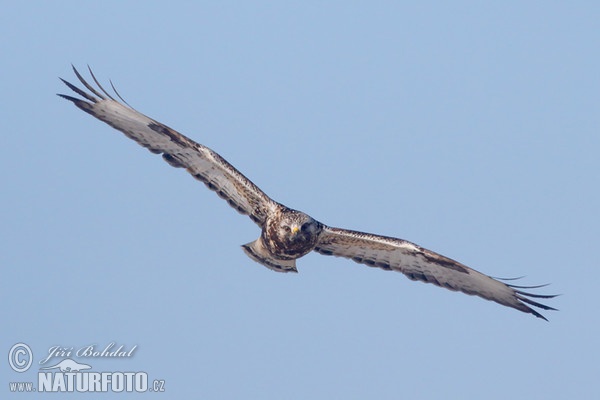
[{"x": 179, "y": 151}]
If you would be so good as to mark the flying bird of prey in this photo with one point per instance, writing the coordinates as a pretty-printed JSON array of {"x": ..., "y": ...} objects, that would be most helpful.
[{"x": 288, "y": 234}]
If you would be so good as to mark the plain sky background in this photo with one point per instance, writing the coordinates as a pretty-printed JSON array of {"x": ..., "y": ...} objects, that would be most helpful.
[{"x": 470, "y": 128}]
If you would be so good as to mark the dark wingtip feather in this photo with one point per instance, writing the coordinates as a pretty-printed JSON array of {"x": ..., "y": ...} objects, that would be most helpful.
[
  {"x": 79, "y": 91},
  {"x": 536, "y": 304},
  {"x": 537, "y": 314},
  {"x": 87, "y": 85},
  {"x": 98, "y": 83},
  {"x": 539, "y": 296},
  {"x": 82, "y": 104},
  {"x": 67, "y": 97},
  {"x": 525, "y": 298},
  {"x": 91, "y": 88},
  {"x": 118, "y": 94},
  {"x": 508, "y": 279},
  {"x": 528, "y": 287}
]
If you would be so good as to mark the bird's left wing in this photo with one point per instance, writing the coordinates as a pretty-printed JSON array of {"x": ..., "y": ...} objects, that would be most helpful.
[
  {"x": 424, "y": 265},
  {"x": 179, "y": 151}
]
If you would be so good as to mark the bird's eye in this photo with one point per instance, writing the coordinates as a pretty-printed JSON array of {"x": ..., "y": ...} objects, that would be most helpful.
[{"x": 286, "y": 228}]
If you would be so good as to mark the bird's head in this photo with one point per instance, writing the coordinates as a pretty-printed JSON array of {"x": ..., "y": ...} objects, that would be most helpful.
[
  {"x": 298, "y": 228},
  {"x": 292, "y": 234}
]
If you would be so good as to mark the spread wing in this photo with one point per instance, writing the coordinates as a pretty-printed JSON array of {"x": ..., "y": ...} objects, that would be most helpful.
[
  {"x": 424, "y": 265},
  {"x": 179, "y": 151}
]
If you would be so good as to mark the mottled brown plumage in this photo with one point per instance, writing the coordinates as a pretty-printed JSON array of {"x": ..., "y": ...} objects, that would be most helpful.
[{"x": 288, "y": 234}]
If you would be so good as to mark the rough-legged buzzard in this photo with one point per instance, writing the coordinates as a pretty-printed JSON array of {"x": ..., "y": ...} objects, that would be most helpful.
[{"x": 288, "y": 234}]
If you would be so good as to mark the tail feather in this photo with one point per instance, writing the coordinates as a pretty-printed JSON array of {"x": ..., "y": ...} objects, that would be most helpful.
[{"x": 257, "y": 252}]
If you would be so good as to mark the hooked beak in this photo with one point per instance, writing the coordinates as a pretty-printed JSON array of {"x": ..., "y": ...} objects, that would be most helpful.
[{"x": 295, "y": 229}]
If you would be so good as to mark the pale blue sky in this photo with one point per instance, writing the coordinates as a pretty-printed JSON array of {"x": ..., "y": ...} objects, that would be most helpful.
[{"x": 471, "y": 129}]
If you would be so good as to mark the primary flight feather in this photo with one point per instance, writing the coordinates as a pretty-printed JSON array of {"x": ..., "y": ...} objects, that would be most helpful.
[{"x": 288, "y": 234}]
